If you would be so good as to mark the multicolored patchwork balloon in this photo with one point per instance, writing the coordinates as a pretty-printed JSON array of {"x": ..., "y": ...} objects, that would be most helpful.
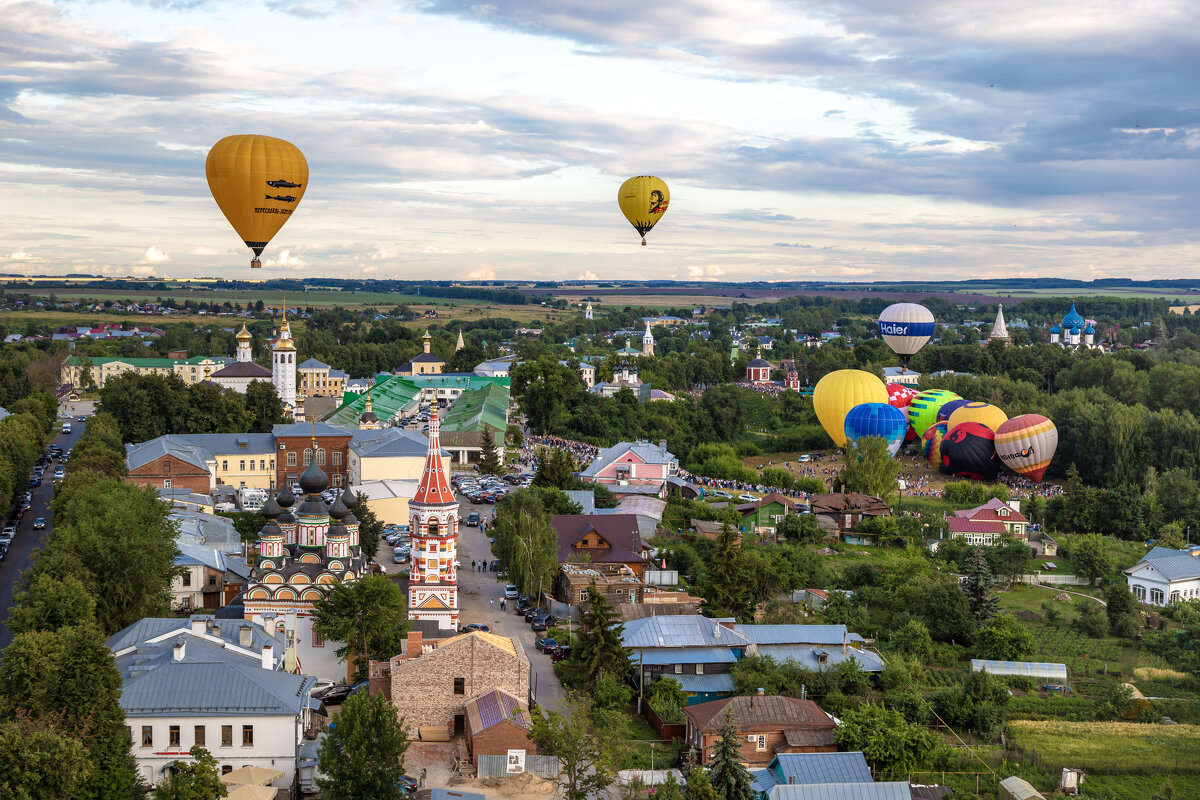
[{"x": 1026, "y": 444}]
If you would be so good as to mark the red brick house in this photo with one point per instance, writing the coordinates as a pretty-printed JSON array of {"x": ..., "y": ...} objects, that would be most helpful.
[
  {"x": 600, "y": 539},
  {"x": 295, "y": 451},
  {"x": 767, "y": 726},
  {"x": 169, "y": 463},
  {"x": 496, "y": 723}
]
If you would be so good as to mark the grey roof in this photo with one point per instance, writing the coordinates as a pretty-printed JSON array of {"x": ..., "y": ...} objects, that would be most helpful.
[
  {"x": 198, "y": 529},
  {"x": 390, "y": 442},
  {"x": 139, "y": 455},
  {"x": 805, "y": 655},
  {"x": 684, "y": 630},
  {"x": 214, "y": 687},
  {"x": 312, "y": 363},
  {"x": 585, "y": 499},
  {"x": 793, "y": 768},
  {"x": 243, "y": 369},
  {"x": 1175, "y": 565},
  {"x": 759, "y": 362},
  {"x": 306, "y": 429},
  {"x": 762, "y": 779},
  {"x": 145, "y": 630},
  {"x": 890, "y": 790},
  {"x": 647, "y": 452},
  {"x": 686, "y": 655},
  {"x": 798, "y": 634},
  {"x": 719, "y": 684},
  {"x": 196, "y": 448}
]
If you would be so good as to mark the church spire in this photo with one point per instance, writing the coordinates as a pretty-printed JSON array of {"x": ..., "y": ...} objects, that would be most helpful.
[
  {"x": 434, "y": 487},
  {"x": 999, "y": 327}
]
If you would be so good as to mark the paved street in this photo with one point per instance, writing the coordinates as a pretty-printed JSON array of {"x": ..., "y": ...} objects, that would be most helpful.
[{"x": 20, "y": 553}]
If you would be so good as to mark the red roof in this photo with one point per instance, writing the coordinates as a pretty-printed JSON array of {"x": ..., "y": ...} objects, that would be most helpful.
[
  {"x": 990, "y": 511},
  {"x": 963, "y": 525},
  {"x": 434, "y": 488}
]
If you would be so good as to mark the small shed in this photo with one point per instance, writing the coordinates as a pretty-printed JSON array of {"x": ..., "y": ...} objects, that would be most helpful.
[
  {"x": 1015, "y": 788},
  {"x": 1042, "y": 671},
  {"x": 497, "y": 722}
]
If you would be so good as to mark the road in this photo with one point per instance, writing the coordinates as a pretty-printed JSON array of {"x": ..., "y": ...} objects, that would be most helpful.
[
  {"x": 20, "y": 553},
  {"x": 476, "y": 589}
]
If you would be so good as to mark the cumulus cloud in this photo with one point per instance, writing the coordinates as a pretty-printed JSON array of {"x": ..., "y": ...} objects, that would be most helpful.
[
  {"x": 482, "y": 274},
  {"x": 287, "y": 260},
  {"x": 154, "y": 256}
]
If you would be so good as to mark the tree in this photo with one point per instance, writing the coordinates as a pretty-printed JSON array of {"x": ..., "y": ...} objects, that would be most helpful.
[
  {"x": 1003, "y": 639},
  {"x": 39, "y": 761},
  {"x": 912, "y": 639},
  {"x": 197, "y": 779},
  {"x": 1122, "y": 610},
  {"x": 800, "y": 528},
  {"x": 363, "y": 755},
  {"x": 370, "y": 526},
  {"x": 891, "y": 745},
  {"x": 555, "y": 468},
  {"x": 725, "y": 769},
  {"x": 599, "y": 650},
  {"x": 667, "y": 699},
  {"x": 1090, "y": 557},
  {"x": 47, "y": 603},
  {"x": 585, "y": 742},
  {"x": 870, "y": 468},
  {"x": 545, "y": 390},
  {"x": 726, "y": 592},
  {"x": 266, "y": 410},
  {"x": 489, "y": 456},
  {"x": 526, "y": 542},
  {"x": 69, "y": 679},
  {"x": 368, "y": 616},
  {"x": 977, "y": 703},
  {"x": 1090, "y": 617},
  {"x": 978, "y": 587}
]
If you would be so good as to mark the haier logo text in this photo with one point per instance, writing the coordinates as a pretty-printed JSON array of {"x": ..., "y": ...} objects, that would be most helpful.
[{"x": 893, "y": 329}]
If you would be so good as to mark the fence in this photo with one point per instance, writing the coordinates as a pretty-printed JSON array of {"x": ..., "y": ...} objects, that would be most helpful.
[
  {"x": 497, "y": 766},
  {"x": 666, "y": 731},
  {"x": 1053, "y": 580},
  {"x": 661, "y": 577}
]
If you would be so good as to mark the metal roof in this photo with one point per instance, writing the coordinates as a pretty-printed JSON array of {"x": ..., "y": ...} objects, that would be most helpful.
[
  {"x": 495, "y": 707},
  {"x": 1174, "y": 565},
  {"x": 793, "y": 768},
  {"x": 684, "y": 630},
  {"x": 216, "y": 687},
  {"x": 151, "y": 630},
  {"x": 805, "y": 655},
  {"x": 890, "y": 790},
  {"x": 139, "y": 455},
  {"x": 390, "y": 442},
  {"x": 759, "y": 712},
  {"x": 647, "y": 452},
  {"x": 1032, "y": 669},
  {"x": 798, "y": 634},
  {"x": 714, "y": 684},
  {"x": 686, "y": 655}
]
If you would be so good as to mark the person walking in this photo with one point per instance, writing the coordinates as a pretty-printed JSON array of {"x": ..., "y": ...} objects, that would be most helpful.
[
  {"x": 492, "y": 603},
  {"x": 422, "y": 781}
]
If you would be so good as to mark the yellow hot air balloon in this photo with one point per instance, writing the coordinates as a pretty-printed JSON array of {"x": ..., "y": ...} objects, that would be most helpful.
[
  {"x": 840, "y": 391},
  {"x": 643, "y": 201},
  {"x": 257, "y": 182},
  {"x": 985, "y": 414}
]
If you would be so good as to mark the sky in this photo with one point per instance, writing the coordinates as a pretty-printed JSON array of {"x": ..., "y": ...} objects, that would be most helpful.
[{"x": 453, "y": 140}]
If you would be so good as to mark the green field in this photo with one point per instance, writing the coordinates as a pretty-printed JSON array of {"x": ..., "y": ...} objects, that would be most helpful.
[
  {"x": 317, "y": 298},
  {"x": 1110, "y": 748}
]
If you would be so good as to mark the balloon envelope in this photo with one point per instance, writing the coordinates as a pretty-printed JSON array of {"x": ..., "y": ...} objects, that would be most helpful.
[
  {"x": 901, "y": 396},
  {"x": 643, "y": 201},
  {"x": 906, "y": 327},
  {"x": 945, "y": 411},
  {"x": 877, "y": 419},
  {"x": 969, "y": 451},
  {"x": 931, "y": 444},
  {"x": 1025, "y": 444},
  {"x": 983, "y": 413},
  {"x": 922, "y": 411},
  {"x": 838, "y": 392}
]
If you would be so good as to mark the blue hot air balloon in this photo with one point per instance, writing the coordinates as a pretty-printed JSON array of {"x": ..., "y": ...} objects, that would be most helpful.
[
  {"x": 906, "y": 327},
  {"x": 877, "y": 419}
]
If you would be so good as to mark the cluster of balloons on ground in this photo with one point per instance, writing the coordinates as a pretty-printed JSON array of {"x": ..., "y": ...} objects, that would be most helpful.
[{"x": 967, "y": 439}]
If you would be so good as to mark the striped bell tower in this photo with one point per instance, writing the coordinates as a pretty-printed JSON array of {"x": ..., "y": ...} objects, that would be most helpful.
[{"x": 433, "y": 522}]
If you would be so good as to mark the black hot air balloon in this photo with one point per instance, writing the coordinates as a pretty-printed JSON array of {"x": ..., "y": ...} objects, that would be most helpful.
[{"x": 969, "y": 451}]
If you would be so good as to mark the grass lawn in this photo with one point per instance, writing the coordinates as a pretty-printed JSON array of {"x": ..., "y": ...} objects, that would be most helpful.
[{"x": 1111, "y": 748}]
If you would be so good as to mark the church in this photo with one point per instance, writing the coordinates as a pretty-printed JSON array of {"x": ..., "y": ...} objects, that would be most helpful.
[{"x": 1073, "y": 332}]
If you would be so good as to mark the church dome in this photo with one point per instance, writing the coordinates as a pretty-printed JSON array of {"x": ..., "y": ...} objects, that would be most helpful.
[
  {"x": 314, "y": 480},
  {"x": 285, "y": 498},
  {"x": 1075, "y": 331},
  {"x": 1055, "y": 329},
  {"x": 338, "y": 510},
  {"x": 243, "y": 335},
  {"x": 1072, "y": 319},
  {"x": 271, "y": 510},
  {"x": 1089, "y": 331},
  {"x": 349, "y": 499}
]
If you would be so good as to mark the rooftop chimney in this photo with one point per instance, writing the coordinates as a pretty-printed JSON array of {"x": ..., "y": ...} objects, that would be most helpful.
[
  {"x": 269, "y": 622},
  {"x": 180, "y": 647},
  {"x": 413, "y": 644},
  {"x": 198, "y": 623},
  {"x": 245, "y": 635},
  {"x": 268, "y": 656},
  {"x": 662, "y": 445}
]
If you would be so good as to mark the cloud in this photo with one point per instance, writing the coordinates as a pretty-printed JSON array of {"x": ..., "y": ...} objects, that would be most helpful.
[
  {"x": 587, "y": 275},
  {"x": 154, "y": 256},
  {"x": 482, "y": 274},
  {"x": 143, "y": 272},
  {"x": 287, "y": 260}
]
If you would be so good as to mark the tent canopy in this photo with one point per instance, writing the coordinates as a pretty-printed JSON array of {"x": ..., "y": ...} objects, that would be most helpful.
[{"x": 251, "y": 776}]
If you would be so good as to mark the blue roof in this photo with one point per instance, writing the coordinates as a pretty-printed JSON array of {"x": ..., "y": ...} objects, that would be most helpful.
[
  {"x": 719, "y": 684},
  {"x": 798, "y": 634},
  {"x": 762, "y": 779},
  {"x": 1055, "y": 329},
  {"x": 1174, "y": 565},
  {"x": 682, "y": 630},
  {"x": 891, "y": 790},
  {"x": 686, "y": 655},
  {"x": 805, "y": 655},
  {"x": 1089, "y": 330},
  {"x": 793, "y": 768}
]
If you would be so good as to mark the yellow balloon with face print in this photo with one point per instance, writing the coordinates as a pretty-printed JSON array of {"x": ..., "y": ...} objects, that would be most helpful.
[
  {"x": 257, "y": 182},
  {"x": 643, "y": 201}
]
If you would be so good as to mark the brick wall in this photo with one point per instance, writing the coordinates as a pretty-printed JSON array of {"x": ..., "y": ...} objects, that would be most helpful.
[
  {"x": 181, "y": 474},
  {"x": 423, "y": 688},
  {"x": 499, "y": 739},
  {"x": 298, "y": 444}
]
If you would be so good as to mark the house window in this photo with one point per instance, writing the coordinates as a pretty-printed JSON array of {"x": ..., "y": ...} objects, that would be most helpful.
[
  {"x": 761, "y": 744},
  {"x": 242, "y": 465},
  {"x": 1156, "y": 596},
  {"x": 262, "y": 464},
  {"x": 200, "y": 736},
  {"x": 187, "y": 579},
  {"x": 226, "y": 736},
  {"x": 337, "y": 459},
  {"x": 679, "y": 669},
  {"x": 147, "y": 736},
  {"x": 247, "y": 736},
  {"x": 699, "y": 669},
  {"x": 226, "y": 769},
  {"x": 291, "y": 459},
  {"x": 173, "y": 739},
  {"x": 224, "y": 466},
  {"x": 318, "y": 639},
  {"x": 308, "y": 453},
  {"x": 320, "y": 457},
  {"x": 166, "y": 483},
  {"x": 460, "y": 686}
]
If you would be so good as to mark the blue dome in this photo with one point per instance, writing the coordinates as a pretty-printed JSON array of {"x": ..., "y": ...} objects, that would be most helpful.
[
  {"x": 1089, "y": 331},
  {"x": 1072, "y": 319},
  {"x": 1055, "y": 329},
  {"x": 1075, "y": 331}
]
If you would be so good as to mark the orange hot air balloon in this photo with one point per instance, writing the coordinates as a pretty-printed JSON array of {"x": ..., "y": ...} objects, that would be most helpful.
[
  {"x": 257, "y": 182},
  {"x": 1026, "y": 444}
]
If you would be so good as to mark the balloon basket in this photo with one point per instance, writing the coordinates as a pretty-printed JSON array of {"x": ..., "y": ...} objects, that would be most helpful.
[
  {"x": 255, "y": 264},
  {"x": 643, "y": 241}
]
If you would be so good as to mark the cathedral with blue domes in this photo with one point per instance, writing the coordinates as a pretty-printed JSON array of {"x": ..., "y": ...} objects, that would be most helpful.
[{"x": 1074, "y": 331}]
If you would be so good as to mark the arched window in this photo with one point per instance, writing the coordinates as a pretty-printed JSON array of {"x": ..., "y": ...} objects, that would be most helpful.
[
  {"x": 1156, "y": 596},
  {"x": 433, "y": 527},
  {"x": 307, "y": 456},
  {"x": 320, "y": 456},
  {"x": 1140, "y": 592}
]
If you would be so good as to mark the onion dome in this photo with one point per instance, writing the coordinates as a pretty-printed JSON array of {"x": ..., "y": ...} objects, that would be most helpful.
[
  {"x": 314, "y": 480},
  {"x": 350, "y": 502},
  {"x": 285, "y": 498},
  {"x": 243, "y": 335},
  {"x": 1075, "y": 331},
  {"x": 1072, "y": 319},
  {"x": 271, "y": 510},
  {"x": 1055, "y": 329},
  {"x": 338, "y": 510},
  {"x": 759, "y": 362},
  {"x": 1089, "y": 331}
]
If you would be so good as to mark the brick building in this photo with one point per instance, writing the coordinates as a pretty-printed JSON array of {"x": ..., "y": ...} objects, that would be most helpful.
[
  {"x": 767, "y": 725},
  {"x": 496, "y": 723},
  {"x": 431, "y": 683},
  {"x": 616, "y": 582},
  {"x": 295, "y": 451},
  {"x": 169, "y": 464}
]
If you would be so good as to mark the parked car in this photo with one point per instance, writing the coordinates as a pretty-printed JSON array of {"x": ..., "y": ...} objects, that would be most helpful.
[
  {"x": 39, "y": 523},
  {"x": 534, "y": 612},
  {"x": 399, "y": 556},
  {"x": 407, "y": 785},
  {"x": 473, "y": 519},
  {"x": 542, "y": 622},
  {"x": 475, "y": 626},
  {"x": 563, "y": 651},
  {"x": 510, "y": 591},
  {"x": 749, "y": 498},
  {"x": 339, "y": 693},
  {"x": 547, "y": 646},
  {"x": 521, "y": 606}
]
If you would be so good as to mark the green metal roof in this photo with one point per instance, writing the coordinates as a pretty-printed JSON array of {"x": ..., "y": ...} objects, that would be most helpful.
[
  {"x": 476, "y": 407},
  {"x": 398, "y": 394}
]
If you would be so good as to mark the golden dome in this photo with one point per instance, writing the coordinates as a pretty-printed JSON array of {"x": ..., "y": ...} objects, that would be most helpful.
[{"x": 244, "y": 335}]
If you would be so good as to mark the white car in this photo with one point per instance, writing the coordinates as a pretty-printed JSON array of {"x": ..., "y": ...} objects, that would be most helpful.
[{"x": 749, "y": 498}]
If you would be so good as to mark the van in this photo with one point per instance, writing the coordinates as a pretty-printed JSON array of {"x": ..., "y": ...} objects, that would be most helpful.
[
  {"x": 473, "y": 520},
  {"x": 66, "y": 427}
]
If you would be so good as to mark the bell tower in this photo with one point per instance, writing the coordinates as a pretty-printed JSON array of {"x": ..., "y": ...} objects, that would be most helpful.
[{"x": 433, "y": 521}]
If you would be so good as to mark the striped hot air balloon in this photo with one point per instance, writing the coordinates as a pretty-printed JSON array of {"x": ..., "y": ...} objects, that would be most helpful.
[
  {"x": 931, "y": 444},
  {"x": 969, "y": 451},
  {"x": 1025, "y": 444},
  {"x": 906, "y": 327},
  {"x": 983, "y": 413},
  {"x": 945, "y": 411},
  {"x": 877, "y": 419},
  {"x": 901, "y": 397},
  {"x": 922, "y": 412}
]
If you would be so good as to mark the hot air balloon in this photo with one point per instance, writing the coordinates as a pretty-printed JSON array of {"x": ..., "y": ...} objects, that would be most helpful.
[
  {"x": 954, "y": 405},
  {"x": 1025, "y": 444},
  {"x": 877, "y": 419},
  {"x": 257, "y": 182},
  {"x": 643, "y": 201},
  {"x": 969, "y": 451},
  {"x": 931, "y": 444},
  {"x": 901, "y": 396},
  {"x": 922, "y": 411},
  {"x": 838, "y": 392},
  {"x": 983, "y": 413},
  {"x": 906, "y": 327}
]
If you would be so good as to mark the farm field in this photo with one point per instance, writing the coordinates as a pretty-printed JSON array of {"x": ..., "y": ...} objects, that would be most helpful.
[
  {"x": 1111, "y": 748},
  {"x": 316, "y": 298}
]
